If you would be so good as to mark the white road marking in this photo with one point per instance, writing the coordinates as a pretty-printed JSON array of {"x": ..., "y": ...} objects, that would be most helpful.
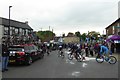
[
  {"x": 76, "y": 74},
  {"x": 69, "y": 61},
  {"x": 84, "y": 65}
]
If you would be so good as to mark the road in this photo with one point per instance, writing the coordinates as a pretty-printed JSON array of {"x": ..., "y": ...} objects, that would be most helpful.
[{"x": 56, "y": 67}]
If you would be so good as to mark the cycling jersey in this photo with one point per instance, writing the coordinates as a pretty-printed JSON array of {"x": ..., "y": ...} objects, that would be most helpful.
[{"x": 103, "y": 49}]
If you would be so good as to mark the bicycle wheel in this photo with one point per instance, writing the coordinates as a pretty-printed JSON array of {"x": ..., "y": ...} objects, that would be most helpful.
[
  {"x": 63, "y": 56},
  {"x": 79, "y": 59},
  {"x": 70, "y": 57},
  {"x": 112, "y": 60},
  {"x": 100, "y": 59}
]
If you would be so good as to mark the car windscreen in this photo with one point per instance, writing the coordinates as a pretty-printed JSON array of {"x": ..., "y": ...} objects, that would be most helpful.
[{"x": 16, "y": 49}]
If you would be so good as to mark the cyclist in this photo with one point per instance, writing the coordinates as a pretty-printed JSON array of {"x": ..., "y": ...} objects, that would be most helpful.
[
  {"x": 75, "y": 50},
  {"x": 104, "y": 50},
  {"x": 48, "y": 48},
  {"x": 60, "y": 50}
]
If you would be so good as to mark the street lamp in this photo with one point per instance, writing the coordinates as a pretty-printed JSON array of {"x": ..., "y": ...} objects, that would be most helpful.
[{"x": 9, "y": 25}]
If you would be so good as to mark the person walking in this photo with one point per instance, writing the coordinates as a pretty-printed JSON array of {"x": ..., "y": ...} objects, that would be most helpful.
[
  {"x": 112, "y": 47},
  {"x": 83, "y": 51},
  {"x": 97, "y": 49},
  {"x": 91, "y": 50},
  {"x": 5, "y": 57},
  {"x": 86, "y": 49}
]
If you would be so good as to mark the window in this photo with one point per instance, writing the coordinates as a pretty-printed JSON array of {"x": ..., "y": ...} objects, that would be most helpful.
[
  {"x": 118, "y": 29},
  {"x": 5, "y": 30},
  {"x": 113, "y": 29},
  {"x": 27, "y": 48},
  {"x": 35, "y": 47},
  {"x": 16, "y": 49},
  {"x": 16, "y": 30},
  {"x": 26, "y": 32},
  {"x": 118, "y": 25},
  {"x": 23, "y": 32},
  {"x": 11, "y": 30}
]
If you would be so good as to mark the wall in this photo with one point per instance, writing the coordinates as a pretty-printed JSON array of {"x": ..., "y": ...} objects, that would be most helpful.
[
  {"x": 1, "y": 30},
  {"x": 1, "y": 34},
  {"x": 71, "y": 40}
]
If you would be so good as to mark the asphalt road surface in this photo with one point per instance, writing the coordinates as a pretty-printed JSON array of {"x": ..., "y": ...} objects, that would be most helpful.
[{"x": 53, "y": 66}]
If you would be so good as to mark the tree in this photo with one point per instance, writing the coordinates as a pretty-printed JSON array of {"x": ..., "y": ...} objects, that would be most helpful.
[
  {"x": 63, "y": 35},
  {"x": 70, "y": 34},
  {"x": 83, "y": 36},
  {"x": 46, "y": 35},
  {"x": 77, "y": 34},
  {"x": 93, "y": 34}
]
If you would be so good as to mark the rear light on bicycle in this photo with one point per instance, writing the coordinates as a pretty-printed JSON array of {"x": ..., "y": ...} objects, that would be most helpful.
[{"x": 21, "y": 53}]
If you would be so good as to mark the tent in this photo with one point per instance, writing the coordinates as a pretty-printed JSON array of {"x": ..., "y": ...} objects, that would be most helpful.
[
  {"x": 116, "y": 39},
  {"x": 113, "y": 38}
]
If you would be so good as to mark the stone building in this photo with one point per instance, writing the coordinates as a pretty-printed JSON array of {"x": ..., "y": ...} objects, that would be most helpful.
[{"x": 16, "y": 28}]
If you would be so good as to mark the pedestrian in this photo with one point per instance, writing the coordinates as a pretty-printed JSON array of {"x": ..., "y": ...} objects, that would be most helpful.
[
  {"x": 112, "y": 47},
  {"x": 86, "y": 49},
  {"x": 5, "y": 57},
  {"x": 97, "y": 49},
  {"x": 91, "y": 50},
  {"x": 83, "y": 51}
]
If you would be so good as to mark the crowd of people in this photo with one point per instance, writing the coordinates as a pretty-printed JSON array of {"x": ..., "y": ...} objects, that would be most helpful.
[
  {"x": 85, "y": 48},
  {"x": 92, "y": 49}
]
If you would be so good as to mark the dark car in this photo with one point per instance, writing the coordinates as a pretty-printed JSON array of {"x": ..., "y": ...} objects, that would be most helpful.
[{"x": 24, "y": 54}]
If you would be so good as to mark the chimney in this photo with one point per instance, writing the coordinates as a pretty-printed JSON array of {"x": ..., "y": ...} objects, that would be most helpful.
[{"x": 26, "y": 22}]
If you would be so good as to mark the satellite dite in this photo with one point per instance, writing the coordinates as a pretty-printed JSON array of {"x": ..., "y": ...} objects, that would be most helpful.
[{"x": 119, "y": 9}]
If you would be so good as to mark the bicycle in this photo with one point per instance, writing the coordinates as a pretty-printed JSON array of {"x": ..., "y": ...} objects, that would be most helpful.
[
  {"x": 78, "y": 56},
  {"x": 111, "y": 59},
  {"x": 60, "y": 53}
]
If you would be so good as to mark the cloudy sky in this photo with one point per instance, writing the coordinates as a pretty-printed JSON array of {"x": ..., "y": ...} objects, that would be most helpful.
[{"x": 63, "y": 16}]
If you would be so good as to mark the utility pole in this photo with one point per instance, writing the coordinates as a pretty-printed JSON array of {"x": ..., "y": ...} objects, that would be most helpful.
[
  {"x": 41, "y": 29},
  {"x": 49, "y": 28},
  {"x": 9, "y": 27}
]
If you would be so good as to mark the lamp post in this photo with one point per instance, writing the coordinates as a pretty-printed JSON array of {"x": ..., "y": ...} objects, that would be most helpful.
[{"x": 9, "y": 26}]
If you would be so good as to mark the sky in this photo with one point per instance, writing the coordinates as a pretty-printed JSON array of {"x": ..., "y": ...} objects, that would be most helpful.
[{"x": 62, "y": 16}]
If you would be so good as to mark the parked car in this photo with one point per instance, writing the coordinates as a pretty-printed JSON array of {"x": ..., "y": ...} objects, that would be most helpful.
[{"x": 24, "y": 54}]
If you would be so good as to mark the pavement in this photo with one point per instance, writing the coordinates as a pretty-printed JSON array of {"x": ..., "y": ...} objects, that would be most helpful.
[
  {"x": 53, "y": 66},
  {"x": 0, "y": 70},
  {"x": 117, "y": 55}
]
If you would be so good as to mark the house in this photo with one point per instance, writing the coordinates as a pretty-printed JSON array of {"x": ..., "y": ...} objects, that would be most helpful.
[
  {"x": 71, "y": 39},
  {"x": 16, "y": 28},
  {"x": 114, "y": 28}
]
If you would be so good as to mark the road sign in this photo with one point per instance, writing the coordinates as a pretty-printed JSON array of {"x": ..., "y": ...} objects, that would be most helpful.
[{"x": 117, "y": 26}]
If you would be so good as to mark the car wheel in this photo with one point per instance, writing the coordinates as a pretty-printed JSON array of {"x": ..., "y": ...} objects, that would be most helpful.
[
  {"x": 29, "y": 61},
  {"x": 42, "y": 56}
]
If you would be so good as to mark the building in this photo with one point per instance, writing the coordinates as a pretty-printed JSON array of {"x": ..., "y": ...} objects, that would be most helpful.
[
  {"x": 113, "y": 28},
  {"x": 72, "y": 39},
  {"x": 16, "y": 28}
]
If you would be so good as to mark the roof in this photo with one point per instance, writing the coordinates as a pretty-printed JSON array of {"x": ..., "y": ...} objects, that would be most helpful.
[
  {"x": 14, "y": 23},
  {"x": 118, "y": 20}
]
